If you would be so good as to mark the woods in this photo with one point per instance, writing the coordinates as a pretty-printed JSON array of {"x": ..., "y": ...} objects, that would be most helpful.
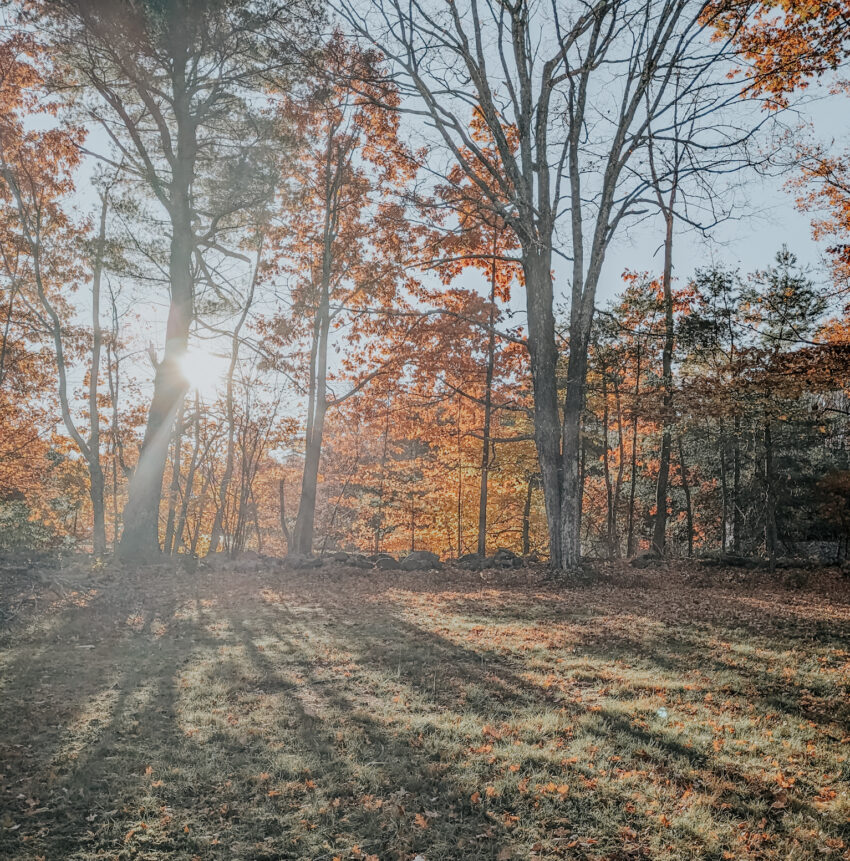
[
  {"x": 365, "y": 328},
  {"x": 424, "y": 430}
]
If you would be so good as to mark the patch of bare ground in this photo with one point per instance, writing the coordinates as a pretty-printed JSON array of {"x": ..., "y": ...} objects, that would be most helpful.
[{"x": 252, "y": 712}]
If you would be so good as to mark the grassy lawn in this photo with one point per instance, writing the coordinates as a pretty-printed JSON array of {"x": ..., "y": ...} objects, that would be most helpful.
[{"x": 351, "y": 715}]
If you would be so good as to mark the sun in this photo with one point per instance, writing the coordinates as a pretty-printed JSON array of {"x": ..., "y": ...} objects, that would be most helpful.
[{"x": 203, "y": 370}]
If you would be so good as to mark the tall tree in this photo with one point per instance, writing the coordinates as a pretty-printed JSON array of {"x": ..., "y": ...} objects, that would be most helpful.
[
  {"x": 173, "y": 87},
  {"x": 343, "y": 237},
  {"x": 548, "y": 75}
]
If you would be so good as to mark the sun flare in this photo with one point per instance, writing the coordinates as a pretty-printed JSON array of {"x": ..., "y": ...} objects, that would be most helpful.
[{"x": 203, "y": 370}]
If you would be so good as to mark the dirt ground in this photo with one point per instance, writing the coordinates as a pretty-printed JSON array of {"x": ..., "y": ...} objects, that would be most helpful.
[{"x": 258, "y": 713}]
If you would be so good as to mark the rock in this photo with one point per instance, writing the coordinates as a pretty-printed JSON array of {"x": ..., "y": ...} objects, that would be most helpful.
[
  {"x": 504, "y": 558},
  {"x": 728, "y": 560},
  {"x": 299, "y": 562},
  {"x": 387, "y": 563},
  {"x": 645, "y": 560},
  {"x": 471, "y": 562},
  {"x": 357, "y": 560},
  {"x": 421, "y": 560},
  {"x": 340, "y": 556}
]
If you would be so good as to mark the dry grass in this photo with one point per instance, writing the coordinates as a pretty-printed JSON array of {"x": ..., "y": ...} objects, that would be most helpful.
[{"x": 347, "y": 715}]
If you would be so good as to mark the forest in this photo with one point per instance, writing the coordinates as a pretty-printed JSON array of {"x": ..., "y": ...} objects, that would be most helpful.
[{"x": 449, "y": 398}]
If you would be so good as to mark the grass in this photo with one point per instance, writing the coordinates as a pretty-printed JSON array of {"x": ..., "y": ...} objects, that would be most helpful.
[{"x": 351, "y": 715}]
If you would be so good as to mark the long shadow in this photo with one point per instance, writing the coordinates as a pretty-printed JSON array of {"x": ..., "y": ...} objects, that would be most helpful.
[
  {"x": 386, "y": 643},
  {"x": 355, "y": 756}
]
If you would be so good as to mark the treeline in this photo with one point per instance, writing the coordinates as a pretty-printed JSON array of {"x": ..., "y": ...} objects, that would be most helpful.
[{"x": 245, "y": 306}]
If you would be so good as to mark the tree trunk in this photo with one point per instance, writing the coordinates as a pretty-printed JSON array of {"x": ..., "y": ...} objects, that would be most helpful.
[
  {"x": 302, "y": 536},
  {"x": 488, "y": 404},
  {"x": 543, "y": 355},
  {"x": 736, "y": 485},
  {"x": 284, "y": 528},
  {"x": 770, "y": 538},
  {"x": 659, "y": 532},
  {"x": 141, "y": 514},
  {"x": 724, "y": 491},
  {"x": 168, "y": 542},
  {"x": 609, "y": 488},
  {"x": 689, "y": 512},
  {"x": 96, "y": 479},
  {"x": 630, "y": 541},
  {"x": 459, "y": 500},
  {"x": 571, "y": 492},
  {"x": 621, "y": 467}
]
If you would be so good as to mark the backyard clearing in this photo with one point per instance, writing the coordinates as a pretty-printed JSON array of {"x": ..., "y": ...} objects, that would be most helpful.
[{"x": 345, "y": 714}]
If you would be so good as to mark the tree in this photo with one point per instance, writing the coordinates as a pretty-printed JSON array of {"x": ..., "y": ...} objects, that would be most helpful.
[
  {"x": 479, "y": 239},
  {"x": 36, "y": 168},
  {"x": 343, "y": 237},
  {"x": 547, "y": 77},
  {"x": 174, "y": 85}
]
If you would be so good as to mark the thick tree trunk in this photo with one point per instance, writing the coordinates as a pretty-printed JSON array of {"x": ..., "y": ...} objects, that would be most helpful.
[
  {"x": 543, "y": 354},
  {"x": 302, "y": 535},
  {"x": 570, "y": 529},
  {"x": 659, "y": 532},
  {"x": 141, "y": 514},
  {"x": 174, "y": 490}
]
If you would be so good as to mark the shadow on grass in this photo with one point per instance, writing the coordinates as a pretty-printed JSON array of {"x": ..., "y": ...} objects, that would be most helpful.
[{"x": 315, "y": 726}]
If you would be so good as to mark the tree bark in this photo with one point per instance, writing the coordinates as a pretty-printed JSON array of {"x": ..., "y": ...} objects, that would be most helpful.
[
  {"x": 570, "y": 528},
  {"x": 630, "y": 546},
  {"x": 770, "y": 538},
  {"x": 284, "y": 527},
  {"x": 96, "y": 479},
  {"x": 689, "y": 512},
  {"x": 168, "y": 541},
  {"x": 659, "y": 532},
  {"x": 141, "y": 515},
  {"x": 544, "y": 360},
  {"x": 488, "y": 405}
]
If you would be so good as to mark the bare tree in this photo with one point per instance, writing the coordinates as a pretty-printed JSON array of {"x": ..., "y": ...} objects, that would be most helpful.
[{"x": 581, "y": 85}]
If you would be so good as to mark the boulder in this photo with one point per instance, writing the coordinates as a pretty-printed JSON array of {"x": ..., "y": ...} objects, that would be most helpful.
[
  {"x": 645, "y": 560},
  {"x": 421, "y": 560},
  {"x": 297, "y": 561},
  {"x": 387, "y": 563},
  {"x": 504, "y": 558},
  {"x": 471, "y": 561}
]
